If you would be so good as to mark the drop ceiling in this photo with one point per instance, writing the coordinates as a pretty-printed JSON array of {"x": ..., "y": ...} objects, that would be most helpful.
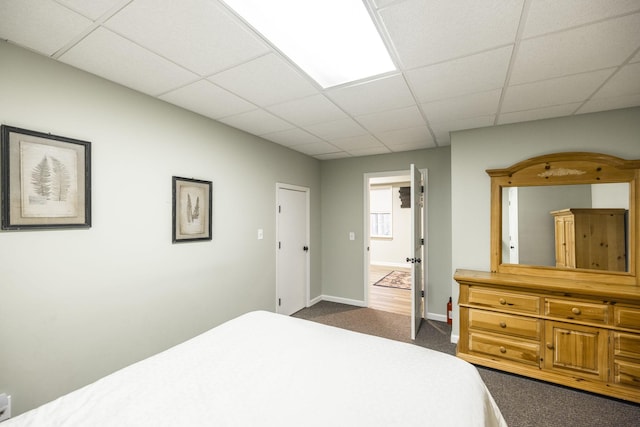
[{"x": 460, "y": 65}]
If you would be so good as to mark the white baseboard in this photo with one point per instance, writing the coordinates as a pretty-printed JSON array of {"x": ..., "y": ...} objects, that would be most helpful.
[
  {"x": 340, "y": 300},
  {"x": 437, "y": 317},
  {"x": 392, "y": 264},
  {"x": 314, "y": 301}
]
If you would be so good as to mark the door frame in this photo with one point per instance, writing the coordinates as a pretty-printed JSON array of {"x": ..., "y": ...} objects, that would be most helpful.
[
  {"x": 307, "y": 286},
  {"x": 425, "y": 231}
]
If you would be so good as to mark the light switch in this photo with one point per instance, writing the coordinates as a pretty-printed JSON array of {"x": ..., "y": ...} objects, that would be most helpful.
[
  {"x": 260, "y": 234},
  {"x": 352, "y": 235}
]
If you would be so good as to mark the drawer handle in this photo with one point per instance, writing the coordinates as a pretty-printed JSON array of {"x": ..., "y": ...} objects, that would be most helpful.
[
  {"x": 550, "y": 346},
  {"x": 503, "y": 325},
  {"x": 575, "y": 310},
  {"x": 503, "y": 350},
  {"x": 503, "y": 301}
]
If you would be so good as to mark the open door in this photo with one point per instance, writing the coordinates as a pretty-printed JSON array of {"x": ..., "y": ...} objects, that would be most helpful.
[{"x": 416, "y": 251}]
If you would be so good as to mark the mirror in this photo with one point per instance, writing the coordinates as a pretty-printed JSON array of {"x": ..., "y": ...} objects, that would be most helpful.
[
  {"x": 529, "y": 216},
  {"x": 571, "y": 215}
]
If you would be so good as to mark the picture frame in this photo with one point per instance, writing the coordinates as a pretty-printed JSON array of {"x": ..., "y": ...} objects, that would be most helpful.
[
  {"x": 192, "y": 210},
  {"x": 46, "y": 180}
]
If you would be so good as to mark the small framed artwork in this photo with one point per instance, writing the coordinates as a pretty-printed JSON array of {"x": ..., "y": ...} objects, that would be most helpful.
[
  {"x": 46, "y": 180},
  {"x": 191, "y": 209}
]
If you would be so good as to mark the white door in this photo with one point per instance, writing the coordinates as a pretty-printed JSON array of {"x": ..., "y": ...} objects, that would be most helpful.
[
  {"x": 292, "y": 256},
  {"x": 416, "y": 251}
]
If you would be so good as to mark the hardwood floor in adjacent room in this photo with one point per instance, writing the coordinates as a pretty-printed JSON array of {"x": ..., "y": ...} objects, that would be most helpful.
[{"x": 388, "y": 299}]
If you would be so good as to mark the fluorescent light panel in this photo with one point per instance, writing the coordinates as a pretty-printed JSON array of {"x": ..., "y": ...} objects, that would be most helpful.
[{"x": 334, "y": 41}]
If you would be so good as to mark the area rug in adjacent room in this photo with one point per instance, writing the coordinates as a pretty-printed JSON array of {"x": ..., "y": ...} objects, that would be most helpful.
[{"x": 396, "y": 279}]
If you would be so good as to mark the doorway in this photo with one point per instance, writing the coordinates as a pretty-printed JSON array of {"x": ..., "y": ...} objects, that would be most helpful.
[
  {"x": 292, "y": 248},
  {"x": 388, "y": 228}
]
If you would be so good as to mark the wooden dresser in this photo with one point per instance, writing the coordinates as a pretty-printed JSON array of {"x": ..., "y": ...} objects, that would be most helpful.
[
  {"x": 576, "y": 333},
  {"x": 575, "y": 322}
]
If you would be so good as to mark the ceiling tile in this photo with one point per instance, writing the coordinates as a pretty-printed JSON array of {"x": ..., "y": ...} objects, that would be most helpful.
[
  {"x": 110, "y": 56},
  {"x": 462, "y": 107},
  {"x": 317, "y": 148},
  {"x": 476, "y": 73},
  {"x": 369, "y": 151},
  {"x": 430, "y": 31},
  {"x": 308, "y": 110},
  {"x": 43, "y": 26},
  {"x": 93, "y": 9},
  {"x": 257, "y": 122},
  {"x": 382, "y": 3},
  {"x": 443, "y": 129},
  {"x": 563, "y": 90},
  {"x": 538, "y": 113},
  {"x": 292, "y": 137},
  {"x": 417, "y": 136},
  {"x": 356, "y": 142},
  {"x": 392, "y": 119},
  {"x": 343, "y": 128},
  {"x": 625, "y": 82},
  {"x": 203, "y": 97},
  {"x": 545, "y": 16},
  {"x": 385, "y": 93},
  {"x": 604, "y": 104},
  {"x": 204, "y": 42},
  {"x": 597, "y": 46},
  {"x": 265, "y": 81}
]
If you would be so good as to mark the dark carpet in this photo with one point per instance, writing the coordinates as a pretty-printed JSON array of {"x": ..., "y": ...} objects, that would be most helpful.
[{"x": 524, "y": 402}]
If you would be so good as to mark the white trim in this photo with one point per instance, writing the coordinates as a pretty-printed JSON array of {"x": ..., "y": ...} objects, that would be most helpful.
[
  {"x": 455, "y": 338},
  {"x": 315, "y": 300},
  {"x": 437, "y": 317},
  {"x": 341, "y": 300},
  {"x": 425, "y": 246},
  {"x": 307, "y": 191}
]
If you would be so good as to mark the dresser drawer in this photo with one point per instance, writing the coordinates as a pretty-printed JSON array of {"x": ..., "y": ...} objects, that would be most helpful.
[
  {"x": 505, "y": 323},
  {"x": 483, "y": 297},
  {"x": 577, "y": 310},
  {"x": 626, "y": 373},
  {"x": 626, "y": 345},
  {"x": 627, "y": 317},
  {"x": 505, "y": 348}
]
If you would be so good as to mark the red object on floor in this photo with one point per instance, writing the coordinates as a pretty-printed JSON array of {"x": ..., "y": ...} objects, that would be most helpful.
[{"x": 449, "y": 312}]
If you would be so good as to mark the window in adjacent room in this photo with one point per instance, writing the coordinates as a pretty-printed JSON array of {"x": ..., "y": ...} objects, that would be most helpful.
[{"x": 380, "y": 212}]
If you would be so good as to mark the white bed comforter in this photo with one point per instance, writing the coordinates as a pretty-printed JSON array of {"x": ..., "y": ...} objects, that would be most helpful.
[{"x": 264, "y": 369}]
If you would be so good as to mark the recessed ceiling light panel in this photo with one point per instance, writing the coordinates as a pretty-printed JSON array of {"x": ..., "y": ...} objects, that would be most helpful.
[{"x": 333, "y": 41}]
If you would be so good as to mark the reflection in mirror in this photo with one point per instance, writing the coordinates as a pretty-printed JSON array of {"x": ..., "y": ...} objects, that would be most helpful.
[{"x": 529, "y": 230}]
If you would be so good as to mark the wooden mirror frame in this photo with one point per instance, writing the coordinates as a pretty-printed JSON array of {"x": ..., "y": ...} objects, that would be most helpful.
[{"x": 565, "y": 169}]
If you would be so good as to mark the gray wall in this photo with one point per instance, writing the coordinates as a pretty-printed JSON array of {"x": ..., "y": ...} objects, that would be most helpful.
[
  {"x": 615, "y": 133},
  {"x": 342, "y": 211},
  {"x": 78, "y": 304}
]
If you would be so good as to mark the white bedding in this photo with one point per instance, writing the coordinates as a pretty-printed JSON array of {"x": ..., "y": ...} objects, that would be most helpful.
[{"x": 267, "y": 369}]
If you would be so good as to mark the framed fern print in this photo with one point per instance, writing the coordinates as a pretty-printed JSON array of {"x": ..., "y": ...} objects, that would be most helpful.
[
  {"x": 191, "y": 209},
  {"x": 46, "y": 180}
]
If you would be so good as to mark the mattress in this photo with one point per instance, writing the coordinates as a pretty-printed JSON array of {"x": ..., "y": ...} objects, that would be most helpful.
[{"x": 267, "y": 369}]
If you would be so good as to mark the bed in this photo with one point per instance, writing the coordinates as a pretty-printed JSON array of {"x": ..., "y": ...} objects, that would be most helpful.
[{"x": 267, "y": 369}]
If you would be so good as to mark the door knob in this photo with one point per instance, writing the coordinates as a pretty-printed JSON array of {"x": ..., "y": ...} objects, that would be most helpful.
[{"x": 305, "y": 248}]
